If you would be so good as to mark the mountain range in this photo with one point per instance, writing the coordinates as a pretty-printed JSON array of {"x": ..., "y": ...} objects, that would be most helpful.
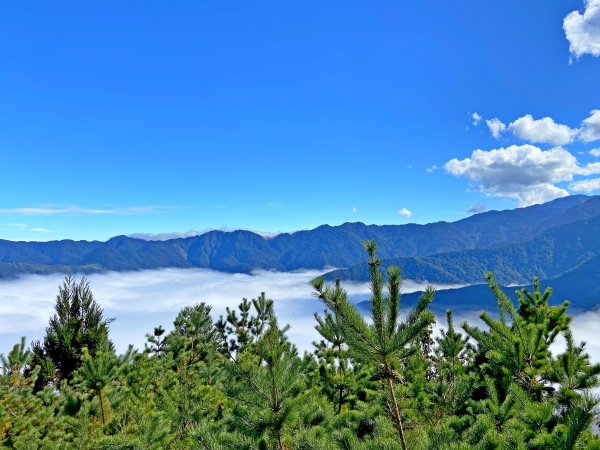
[{"x": 555, "y": 240}]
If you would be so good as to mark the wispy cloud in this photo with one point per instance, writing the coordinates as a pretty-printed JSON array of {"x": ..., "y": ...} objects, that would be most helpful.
[
  {"x": 15, "y": 225},
  {"x": 478, "y": 208},
  {"x": 75, "y": 210},
  {"x": 24, "y": 226},
  {"x": 40, "y": 230}
]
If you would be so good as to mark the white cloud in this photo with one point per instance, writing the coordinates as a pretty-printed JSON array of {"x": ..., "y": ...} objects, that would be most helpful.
[
  {"x": 405, "y": 212},
  {"x": 432, "y": 168},
  {"x": 478, "y": 208},
  {"x": 354, "y": 209},
  {"x": 144, "y": 299},
  {"x": 595, "y": 152},
  {"x": 496, "y": 127},
  {"x": 476, "y": 118},
  {"x": 590, "y": 127},
  {"x": 15, "y": 225},
  {"x": 590, "y": 185},
  {"x": 24, "y": 226},
  {"x": 583, "y": 30},
  {"x": 79, "y": 211},
  {"x": 544, "y": 130},
  {"x": 525, "y": 173},
  {"x": 40, "y": 230},
  {"x": 547, "y": 131}
]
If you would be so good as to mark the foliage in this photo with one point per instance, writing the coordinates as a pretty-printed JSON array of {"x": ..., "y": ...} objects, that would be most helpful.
[
  {"x": 382, "y": 382},
  {"x": 76, "y": 325}
]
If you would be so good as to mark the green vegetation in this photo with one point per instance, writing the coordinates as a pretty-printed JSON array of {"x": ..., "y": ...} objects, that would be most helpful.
[{"x": 239, "y": 383}]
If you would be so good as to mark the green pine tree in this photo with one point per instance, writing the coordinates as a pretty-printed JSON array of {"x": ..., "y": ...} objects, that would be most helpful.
[{"x": 387, "y": 342}]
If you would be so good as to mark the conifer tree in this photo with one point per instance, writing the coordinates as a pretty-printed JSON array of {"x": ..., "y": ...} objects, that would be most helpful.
[
  {"x": 76, "y": 324},
  {"x": 517, "y": 347},
  {"x": 333, "y": 357},
  {"x": 96, "y": 374},
  {"x": 573, "y": 372},
  {"x": 265, "y": 394},
  {"x": 388, "y": 341}
]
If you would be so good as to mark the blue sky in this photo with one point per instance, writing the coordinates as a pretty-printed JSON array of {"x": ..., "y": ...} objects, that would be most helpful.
[{"x": 124, "y": 117}]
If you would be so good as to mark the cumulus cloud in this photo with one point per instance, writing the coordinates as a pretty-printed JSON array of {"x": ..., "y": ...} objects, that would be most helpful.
[
  {"x": 476, "y": 118},
  {"x": 405, "y": 212},
  {"x": 525, "y": 173},
  {"x": 478, "y": 208},
  {"x": 354, "y": 209},
  {"x": 544, "y": 130},
  {"x": 432, "y": 168},
  {"x": 547, "y": 131},
  {"x": 590, "y": 128},
  {"x": 496, "y": 127},
  {"x": 583, "y": 30},
  {"x": 590, "y": 185},
  {"x": 595, "y": 152}
]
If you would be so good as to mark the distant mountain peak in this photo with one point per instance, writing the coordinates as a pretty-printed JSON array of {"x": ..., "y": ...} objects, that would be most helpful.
[{"x": 193, "y": 233}]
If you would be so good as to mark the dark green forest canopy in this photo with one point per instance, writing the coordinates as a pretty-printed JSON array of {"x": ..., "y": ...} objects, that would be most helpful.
[{"x": 383, "y": 381}]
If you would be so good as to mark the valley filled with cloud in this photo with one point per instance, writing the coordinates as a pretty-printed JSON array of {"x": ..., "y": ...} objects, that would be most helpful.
[{"x": 142, "y": 300}]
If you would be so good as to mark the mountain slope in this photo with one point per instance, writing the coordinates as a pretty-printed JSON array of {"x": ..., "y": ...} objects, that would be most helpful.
[
  {"x": 549, "y": 255},
  {"x": 578, "y": 286},
  {"x": 339, "y": 246}
]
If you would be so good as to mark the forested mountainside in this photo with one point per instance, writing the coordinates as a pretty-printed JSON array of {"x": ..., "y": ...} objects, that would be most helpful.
[
  {"x": 553, "y": 253},
  {"x": 337, "y": 246}
]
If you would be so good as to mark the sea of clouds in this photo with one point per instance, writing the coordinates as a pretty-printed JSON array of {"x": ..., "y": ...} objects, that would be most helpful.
[{"x": 140, "y": 301}]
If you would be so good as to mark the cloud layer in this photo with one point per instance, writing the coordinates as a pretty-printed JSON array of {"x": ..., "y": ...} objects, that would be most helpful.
[
  {"x": 145, "y": 299},
  {"x": 142, "y": 300}
]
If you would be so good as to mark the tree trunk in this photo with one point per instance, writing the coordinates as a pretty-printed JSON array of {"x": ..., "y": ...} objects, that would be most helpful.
[
  {"x": 396, "y": 413},
  {"x": 102, "y": 400}
]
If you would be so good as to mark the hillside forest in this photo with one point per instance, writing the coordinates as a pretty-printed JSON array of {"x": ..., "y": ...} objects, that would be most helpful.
[{"x": 376, "y": 381}]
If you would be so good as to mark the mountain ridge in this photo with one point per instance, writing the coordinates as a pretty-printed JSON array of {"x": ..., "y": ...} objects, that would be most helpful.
[{"x": 333, "y": 246}]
